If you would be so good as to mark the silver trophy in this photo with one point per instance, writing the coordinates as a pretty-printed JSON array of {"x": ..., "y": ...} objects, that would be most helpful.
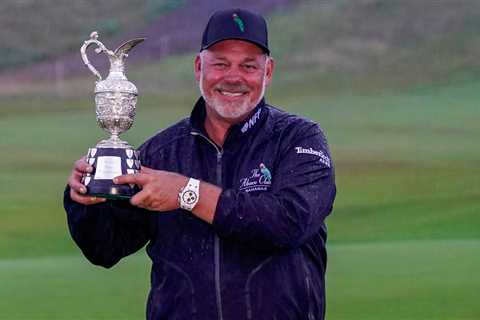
[{"x": 115, "y": 100}]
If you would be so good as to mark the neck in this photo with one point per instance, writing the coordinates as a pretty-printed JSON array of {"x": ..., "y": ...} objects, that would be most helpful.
[{"x": 216, "y": 129}]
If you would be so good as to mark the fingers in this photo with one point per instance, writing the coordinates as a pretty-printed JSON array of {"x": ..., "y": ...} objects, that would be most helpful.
[
  {"x": 142, "y": 179},
  {"x": 147, "y": 200},
  {"x": 83, "y": 199},
  {"x": 137, "y": 178},
  {"x": 80, "y": 167},
  {"x": 77, "y": 189},
  {"x": 75, "y": 184},
  {"x": 140, "y": 200}
]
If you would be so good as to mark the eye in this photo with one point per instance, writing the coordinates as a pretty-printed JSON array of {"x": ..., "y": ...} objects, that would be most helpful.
[
  {"x": 220, "y": 65},
  {"x": 250, "y": 67}
]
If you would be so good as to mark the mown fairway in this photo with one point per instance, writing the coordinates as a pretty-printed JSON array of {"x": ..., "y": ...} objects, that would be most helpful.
[{"x": 404, "y": 235}]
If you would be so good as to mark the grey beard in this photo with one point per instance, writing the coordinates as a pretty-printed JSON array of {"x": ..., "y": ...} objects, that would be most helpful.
[{"x": 234, "y": 110}]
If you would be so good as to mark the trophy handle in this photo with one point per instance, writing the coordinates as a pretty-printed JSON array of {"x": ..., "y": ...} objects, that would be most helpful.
[{"x": 101, "y": 48}]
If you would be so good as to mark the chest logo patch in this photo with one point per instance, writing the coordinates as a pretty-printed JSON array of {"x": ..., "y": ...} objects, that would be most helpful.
[
  {"x": 251, "y": 122},
  {"x": 260, "y": 179}
]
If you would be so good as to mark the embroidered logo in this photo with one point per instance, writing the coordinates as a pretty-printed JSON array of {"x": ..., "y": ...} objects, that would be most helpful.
[
  {"x": 239, "y": 22},
  {"x": 260, "y": 179},
  {"x": 266, "y": 173},
  {"x": 251, "y": 122},
  {"x": 322, "y": 156}
]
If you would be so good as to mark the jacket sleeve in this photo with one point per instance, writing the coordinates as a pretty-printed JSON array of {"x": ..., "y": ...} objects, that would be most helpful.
[
  {"x": 300, "y": 198},
  {"x": 106, "y": 232}
]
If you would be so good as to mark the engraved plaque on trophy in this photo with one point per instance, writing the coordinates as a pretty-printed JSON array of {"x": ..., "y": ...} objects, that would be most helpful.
[{"x": 115, "y": 100}]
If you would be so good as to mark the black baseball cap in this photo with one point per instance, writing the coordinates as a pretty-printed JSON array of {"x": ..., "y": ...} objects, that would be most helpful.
[{"x": 237, "y": 24}]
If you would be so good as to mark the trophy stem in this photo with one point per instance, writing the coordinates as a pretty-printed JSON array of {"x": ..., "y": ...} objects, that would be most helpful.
[{"x": 114, "y": 142}]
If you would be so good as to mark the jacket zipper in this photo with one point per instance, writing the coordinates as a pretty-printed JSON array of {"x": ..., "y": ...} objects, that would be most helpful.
[
  {"x": 308, "y": 286},
  {"x": 216, "y": 250}
]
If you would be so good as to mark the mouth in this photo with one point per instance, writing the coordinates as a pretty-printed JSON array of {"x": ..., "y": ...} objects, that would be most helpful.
[{"x": 231, "y": 93}]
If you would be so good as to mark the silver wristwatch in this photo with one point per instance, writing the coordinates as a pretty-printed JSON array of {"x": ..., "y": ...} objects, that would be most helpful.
[{"x": 189, "y": 195}]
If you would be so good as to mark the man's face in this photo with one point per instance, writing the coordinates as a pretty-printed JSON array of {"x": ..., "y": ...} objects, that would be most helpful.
[{"x": 232, "y": 76}]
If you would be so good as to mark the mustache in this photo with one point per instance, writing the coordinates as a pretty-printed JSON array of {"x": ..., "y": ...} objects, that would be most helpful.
[{"x": 232, "y": 87}]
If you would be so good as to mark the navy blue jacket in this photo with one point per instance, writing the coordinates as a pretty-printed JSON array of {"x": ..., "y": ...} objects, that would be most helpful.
[{"x": 263, "y": 257}]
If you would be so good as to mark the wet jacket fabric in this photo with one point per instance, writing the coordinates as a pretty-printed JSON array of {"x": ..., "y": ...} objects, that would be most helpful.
[{"x": 263, "y": 257}]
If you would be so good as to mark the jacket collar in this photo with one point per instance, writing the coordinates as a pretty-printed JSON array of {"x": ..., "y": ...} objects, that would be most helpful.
[{"x": 238, "y": 131}]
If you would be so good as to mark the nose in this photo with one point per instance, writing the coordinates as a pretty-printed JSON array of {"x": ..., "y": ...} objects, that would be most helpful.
[
  {"x": 233, "y": 79},
  {"x": 233, "y": 74}
]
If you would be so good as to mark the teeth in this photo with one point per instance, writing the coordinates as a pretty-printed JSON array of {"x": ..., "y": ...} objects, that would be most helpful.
[{"x": 231, "y": 94}]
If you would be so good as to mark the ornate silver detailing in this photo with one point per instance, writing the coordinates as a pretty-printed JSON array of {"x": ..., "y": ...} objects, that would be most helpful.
[{"x": 115, "y": 97}]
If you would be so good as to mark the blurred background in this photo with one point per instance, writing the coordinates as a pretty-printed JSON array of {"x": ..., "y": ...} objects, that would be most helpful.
[{"x": 395, "y": 84}]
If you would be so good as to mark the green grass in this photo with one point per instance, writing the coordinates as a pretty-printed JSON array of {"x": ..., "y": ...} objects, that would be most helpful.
[
  {"x": 404, "y": 234},
  {"x": 67, "y": 287},
  {"x": 431, "y": 279},
  {"x": 403, "y": 237}
]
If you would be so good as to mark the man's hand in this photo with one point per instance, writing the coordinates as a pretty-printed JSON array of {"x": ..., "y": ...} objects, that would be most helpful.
[
  {"x": 159, "y": 188},
  {"x": 77, "y": 189}
]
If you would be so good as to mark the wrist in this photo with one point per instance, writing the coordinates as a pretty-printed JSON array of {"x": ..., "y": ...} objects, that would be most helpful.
[{"x": 189, "y": 194}]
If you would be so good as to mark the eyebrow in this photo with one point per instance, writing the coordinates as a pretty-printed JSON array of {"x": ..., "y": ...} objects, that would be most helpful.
[
  {"x": 249, "y": 59},
  {"x": 219, "y": 58},
  {"x": 222, "y": 58}
]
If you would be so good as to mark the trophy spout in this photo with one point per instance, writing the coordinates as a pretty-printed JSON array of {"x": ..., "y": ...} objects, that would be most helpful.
[
  {"x": 125, "y": 47},
  {"x": 119, "y": 56}
]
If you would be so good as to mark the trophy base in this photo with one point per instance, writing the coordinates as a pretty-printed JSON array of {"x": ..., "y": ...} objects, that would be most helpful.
[
  {"x": 112, "y": 192},
  {"x": 107, "y": 164}
]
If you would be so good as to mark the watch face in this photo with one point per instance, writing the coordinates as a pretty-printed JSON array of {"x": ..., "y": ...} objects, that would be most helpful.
[{"x": 189, "y": 197}]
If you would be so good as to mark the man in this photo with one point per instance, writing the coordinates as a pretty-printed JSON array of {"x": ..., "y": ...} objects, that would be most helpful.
[{"x": 232, "y": 201}]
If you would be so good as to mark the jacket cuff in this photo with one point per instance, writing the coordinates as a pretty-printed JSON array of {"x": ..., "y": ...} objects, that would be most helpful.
[{"x": 120, "y": 209}]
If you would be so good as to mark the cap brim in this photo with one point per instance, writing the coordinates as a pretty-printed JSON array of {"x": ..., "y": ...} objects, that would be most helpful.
[{"x": 258, "y": 44}]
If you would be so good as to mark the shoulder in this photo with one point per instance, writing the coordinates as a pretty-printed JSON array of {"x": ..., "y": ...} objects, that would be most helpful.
[
  {"x": 300, "y": 136},
  {"x": 291, "y": 126}
]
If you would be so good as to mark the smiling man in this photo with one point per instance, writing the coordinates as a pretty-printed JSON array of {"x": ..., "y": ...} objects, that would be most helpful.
[
  {"x": 232, "y": 75},
  {"x": 230, "y": 206}
]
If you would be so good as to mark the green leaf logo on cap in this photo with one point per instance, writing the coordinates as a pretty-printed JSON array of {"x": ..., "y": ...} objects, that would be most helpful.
[{"x": 239, "y": 22}]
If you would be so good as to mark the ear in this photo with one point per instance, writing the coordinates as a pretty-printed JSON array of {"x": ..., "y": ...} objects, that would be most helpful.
[
  {"x": 198, "y": 67},
  {"x": 270, "y": 67}
]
